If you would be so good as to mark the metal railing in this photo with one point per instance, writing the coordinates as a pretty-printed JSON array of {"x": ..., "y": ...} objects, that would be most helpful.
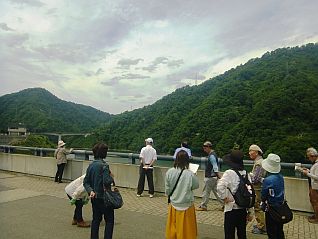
[{"x": 131, "y": 157}]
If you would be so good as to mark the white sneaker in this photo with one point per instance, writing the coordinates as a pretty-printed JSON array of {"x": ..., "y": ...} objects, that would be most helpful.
[
  {"x": 151, "y": 195},
  {"x": 139, "y": 195}
]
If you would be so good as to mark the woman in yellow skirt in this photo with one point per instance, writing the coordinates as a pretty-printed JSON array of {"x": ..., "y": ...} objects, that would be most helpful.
[{"x": 181, "y": 222}]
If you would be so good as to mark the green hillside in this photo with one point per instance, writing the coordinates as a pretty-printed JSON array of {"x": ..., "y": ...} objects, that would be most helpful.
[
  {"x": 41, "y": 111},
  {"x": 271, "y": 101}
]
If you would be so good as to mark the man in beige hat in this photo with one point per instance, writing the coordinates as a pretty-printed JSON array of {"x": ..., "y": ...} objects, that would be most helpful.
[{"x": 257, "y": 175}]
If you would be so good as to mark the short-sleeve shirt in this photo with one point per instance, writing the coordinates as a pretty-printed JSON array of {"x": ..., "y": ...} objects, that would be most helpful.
[
  {"x": 182, "y": 148},
  {"x": 148, "y": 154}
]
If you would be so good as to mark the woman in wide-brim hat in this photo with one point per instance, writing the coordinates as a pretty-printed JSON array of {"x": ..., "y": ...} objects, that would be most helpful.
[
  {"x": 234, "y": 215},
  {"x": 61, "y": 160},
  {"x": 273, "y": 193}
]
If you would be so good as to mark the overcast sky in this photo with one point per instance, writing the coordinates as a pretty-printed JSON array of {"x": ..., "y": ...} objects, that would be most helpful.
[{"x": 118, "y": 55}]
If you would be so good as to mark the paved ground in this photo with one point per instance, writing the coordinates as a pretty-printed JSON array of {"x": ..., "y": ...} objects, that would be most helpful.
[{"x": 37, "y": 208}]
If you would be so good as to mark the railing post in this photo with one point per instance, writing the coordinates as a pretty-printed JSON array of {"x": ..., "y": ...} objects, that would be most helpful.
[
  {"x": 86, "y": 157},
  {"x": 202, "y": 162},
  {"x": 132, "y": 159}
]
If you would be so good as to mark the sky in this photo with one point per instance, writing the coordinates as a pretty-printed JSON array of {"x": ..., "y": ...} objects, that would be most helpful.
[{"x": 120, "y": 55}]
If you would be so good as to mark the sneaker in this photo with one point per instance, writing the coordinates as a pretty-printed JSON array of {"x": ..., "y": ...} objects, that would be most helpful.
[
  {"x": 74, "y": 222},
  {"x": 151, "y": 195},
  {"x": 201, "y": 209},
  {"x": 139, "y": 195},
  {"x": 257, "y": 230},
  {"x": 313, "y": 220}
]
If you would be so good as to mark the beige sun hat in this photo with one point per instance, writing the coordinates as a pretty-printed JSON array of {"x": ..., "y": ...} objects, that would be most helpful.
[
  {"x": 61, "y": 143},
  {"x": 272, "y": 163},
  {"x": 255, "y": 147}
]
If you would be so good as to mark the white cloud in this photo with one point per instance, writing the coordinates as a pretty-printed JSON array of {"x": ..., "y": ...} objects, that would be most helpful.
[{"x": 121, "y": 55}]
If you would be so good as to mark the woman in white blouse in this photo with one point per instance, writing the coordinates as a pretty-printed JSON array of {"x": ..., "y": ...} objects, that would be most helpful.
[{"x": 234, "y": 215}]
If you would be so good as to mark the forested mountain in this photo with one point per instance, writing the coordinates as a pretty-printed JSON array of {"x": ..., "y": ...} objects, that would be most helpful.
[
  {"x": 41, "y": 111},
  {"x": 271, "y": 101}
]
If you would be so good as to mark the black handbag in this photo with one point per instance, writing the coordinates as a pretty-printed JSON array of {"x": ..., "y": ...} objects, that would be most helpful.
[
  {"x": 281, "y": 214},
  {"x": 112, "y": 198}
]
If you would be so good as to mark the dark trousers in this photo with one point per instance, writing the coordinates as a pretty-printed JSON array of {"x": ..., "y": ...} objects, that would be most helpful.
[
  {"x": 274, "y": 229},
  {"x": 78, "y": 215},
  {"x": 141, "y": 182},
  {"x": 235, "y": 219},
  {"x": 100, "y": 210},
  {"x": 59, "y": 172}
]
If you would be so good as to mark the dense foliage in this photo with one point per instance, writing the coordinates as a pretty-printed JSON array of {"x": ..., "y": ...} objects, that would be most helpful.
[
  {"x": 38, "y": 141},
  {"x": 271, "y": 101},
  {"x": 41, "y": 111}
]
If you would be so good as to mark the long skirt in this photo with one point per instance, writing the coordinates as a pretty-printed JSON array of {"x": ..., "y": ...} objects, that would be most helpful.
[{"x": 181, "y": 224}]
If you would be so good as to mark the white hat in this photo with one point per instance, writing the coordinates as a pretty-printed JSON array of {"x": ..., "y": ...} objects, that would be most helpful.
[
  {"x": 149, "y": 140},
  {"x": 272, "y": 163},
  {"x": 255, "y": 147},
  {"x": 60, "y": 143}
]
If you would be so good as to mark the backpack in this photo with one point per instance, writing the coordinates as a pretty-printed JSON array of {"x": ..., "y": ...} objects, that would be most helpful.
[{"x": 245, "y": 194}]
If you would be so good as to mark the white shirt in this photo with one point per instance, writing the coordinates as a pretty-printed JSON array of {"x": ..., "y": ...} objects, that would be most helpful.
[
  {"x": 148, "y": 154},
  {"x": 313, "y": 174},
  {"x": 75, "y": 189},
  {"x": 182, "y": 148},
  {"x": 229, "y": 180}
]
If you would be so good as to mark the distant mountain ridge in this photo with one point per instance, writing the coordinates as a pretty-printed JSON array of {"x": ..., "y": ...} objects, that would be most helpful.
[{"x": 41, "y": 111}]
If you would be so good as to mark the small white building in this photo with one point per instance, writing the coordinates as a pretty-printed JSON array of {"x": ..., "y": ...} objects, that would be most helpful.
[{"x": 18, "y": 131}]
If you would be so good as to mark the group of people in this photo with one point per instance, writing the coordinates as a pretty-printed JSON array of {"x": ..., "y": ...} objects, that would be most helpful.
[
  {"x": 267, "y": 181},
  {"x": 180, "y": 182}
]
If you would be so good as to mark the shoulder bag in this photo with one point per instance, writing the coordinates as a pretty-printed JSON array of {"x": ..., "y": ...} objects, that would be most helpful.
[
  {"x": 281, "y": 214},
  {"x": 113, "y": 198},
  {"x": 174, "y": 186}
]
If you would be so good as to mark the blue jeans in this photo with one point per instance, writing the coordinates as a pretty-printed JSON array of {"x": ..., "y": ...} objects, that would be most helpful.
[{"x": 98, "y": 211}]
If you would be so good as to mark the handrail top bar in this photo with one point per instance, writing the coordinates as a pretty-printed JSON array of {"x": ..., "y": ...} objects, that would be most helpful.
[{"x": 135, "y": 155}]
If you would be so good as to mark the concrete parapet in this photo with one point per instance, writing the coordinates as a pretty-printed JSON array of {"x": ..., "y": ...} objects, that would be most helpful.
[{"x": 126, "y": 175}]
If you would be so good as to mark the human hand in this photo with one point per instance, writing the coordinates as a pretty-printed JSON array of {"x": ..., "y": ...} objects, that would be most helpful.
[
  {"x": 92, "y": 194},
  {"x": 306, "y": 171},
  {"x": 228, "y": 200}
]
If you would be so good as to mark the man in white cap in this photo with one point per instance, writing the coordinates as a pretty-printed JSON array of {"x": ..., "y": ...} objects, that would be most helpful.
[
  {"x": 273, "y": 194},
  {"x": 312, "y": 174},
  {"x": 148, "y": 156},
  {"x": 257, "y": 174},
  {"x": 61, "y": 160}
]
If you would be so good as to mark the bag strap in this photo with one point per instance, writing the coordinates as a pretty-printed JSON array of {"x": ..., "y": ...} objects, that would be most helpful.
[
  {"x": 174, "y": 186},
  {"x": 240, "y": 177},
  {"x": 103, "y": 167}
]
